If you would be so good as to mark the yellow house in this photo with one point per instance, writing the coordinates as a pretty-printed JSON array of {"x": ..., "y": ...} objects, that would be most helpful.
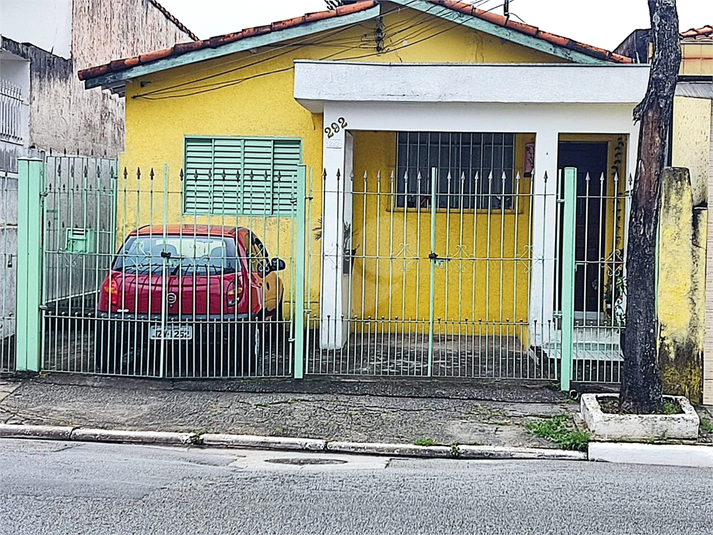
[{"x": 417, "y": 149}]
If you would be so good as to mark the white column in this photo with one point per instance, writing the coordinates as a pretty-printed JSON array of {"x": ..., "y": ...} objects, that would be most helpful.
[
  {"x": 544, "y": 232},
  {"x": 336, "y": 185}
]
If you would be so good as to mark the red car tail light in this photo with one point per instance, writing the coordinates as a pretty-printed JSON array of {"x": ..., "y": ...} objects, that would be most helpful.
[
  {"x": 234, "y": 293},
  {"x": 111, "y": 289}
]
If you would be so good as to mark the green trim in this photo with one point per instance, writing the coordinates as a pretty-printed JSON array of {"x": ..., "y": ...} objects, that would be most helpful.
[
  {"x": 514, "y": 36},
  {"x": 300, "y": 263},
  {"x": 29, "y": 256},
  {"x": 569, "y": 226},
  {"x": 297, "y": 32}
]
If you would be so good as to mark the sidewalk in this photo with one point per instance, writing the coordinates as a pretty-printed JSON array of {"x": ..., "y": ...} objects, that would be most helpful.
[{"x": 391, "y": 411}]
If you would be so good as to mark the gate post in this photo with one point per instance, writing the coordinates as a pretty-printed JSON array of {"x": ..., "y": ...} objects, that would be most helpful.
[
  {"x": 569, "y": 226},
  {"x": 300, "y": 262},
  {"x": 29, "y": 256}
]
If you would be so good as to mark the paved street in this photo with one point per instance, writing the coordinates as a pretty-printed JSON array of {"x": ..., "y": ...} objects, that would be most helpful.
[{"x": 55, "y": 487}]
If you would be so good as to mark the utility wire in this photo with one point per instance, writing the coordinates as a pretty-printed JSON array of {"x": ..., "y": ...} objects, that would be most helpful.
[{"x": 176, "y": 91}]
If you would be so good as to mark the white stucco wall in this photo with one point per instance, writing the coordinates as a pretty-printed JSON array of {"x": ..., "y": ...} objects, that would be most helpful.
[{"x": 45, "y": 23}]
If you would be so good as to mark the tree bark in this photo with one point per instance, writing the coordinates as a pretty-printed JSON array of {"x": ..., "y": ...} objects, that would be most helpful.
[{"x": 641, "y": 387}]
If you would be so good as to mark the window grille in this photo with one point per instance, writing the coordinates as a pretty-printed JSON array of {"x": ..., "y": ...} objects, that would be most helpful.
[
  {"x": 241, "y": 176},
  {"x": 480, "y": 166}
]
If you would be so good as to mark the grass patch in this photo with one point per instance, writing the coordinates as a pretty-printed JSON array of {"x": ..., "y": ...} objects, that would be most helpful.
[
  {"x": 424, "y": 442},
  {"x": 555, "y": 429},
  {"x": 706, "y": 426}
]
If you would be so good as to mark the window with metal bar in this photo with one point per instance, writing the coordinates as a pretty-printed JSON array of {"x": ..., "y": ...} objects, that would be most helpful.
[
  {"x": 241, "y": 176},
  {"x": 475, "y": 171}
]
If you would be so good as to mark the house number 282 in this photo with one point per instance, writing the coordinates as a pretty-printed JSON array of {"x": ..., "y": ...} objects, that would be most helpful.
[{"x": 334, "y": 128}]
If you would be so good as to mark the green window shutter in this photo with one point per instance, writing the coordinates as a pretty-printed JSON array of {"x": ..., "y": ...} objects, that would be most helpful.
[{"x": 241, "y": 176}]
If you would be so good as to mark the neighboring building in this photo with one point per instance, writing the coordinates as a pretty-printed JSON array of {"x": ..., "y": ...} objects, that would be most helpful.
[
  {"x": 42, "y": 47},
  {"x": 391, "y": 90}
]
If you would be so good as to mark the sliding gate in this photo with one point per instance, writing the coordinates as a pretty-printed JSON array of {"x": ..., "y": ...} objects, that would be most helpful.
[
  {"x": 470, "y": 276},
  {"x": 436, "y": 279},
  {"x": 153, "y": 273}
]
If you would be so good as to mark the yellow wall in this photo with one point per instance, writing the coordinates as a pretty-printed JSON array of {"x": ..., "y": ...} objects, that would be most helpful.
[
  {"x": 697, "y": 59},
  {"x": 692, "y": 142},
  {"x": 235, "y": 96},
  {"x": 488, "y": 265}
]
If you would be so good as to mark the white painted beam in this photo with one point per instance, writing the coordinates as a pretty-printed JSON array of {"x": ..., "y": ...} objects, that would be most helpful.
[{"x": 317, "y": 82}]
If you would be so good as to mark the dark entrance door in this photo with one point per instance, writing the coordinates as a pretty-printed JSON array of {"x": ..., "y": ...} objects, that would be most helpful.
[{"x": 590, "y": 159}]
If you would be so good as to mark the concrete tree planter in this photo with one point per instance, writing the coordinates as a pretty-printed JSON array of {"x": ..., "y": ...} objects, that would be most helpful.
[{"x": 639, "y": 426}]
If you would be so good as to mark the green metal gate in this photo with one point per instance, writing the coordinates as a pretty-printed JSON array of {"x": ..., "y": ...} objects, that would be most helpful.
[
  {"x": 593, "y": 289},
  {"x": 435, "y": 275},
  {"x": 137, "y": 281}
]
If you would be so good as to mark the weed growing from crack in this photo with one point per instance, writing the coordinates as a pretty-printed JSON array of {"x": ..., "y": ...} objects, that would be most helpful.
[
  {"x": 555, "y": 429},
  {"x": 455, "y": 450},
  {"x": 706, "y": 426}
]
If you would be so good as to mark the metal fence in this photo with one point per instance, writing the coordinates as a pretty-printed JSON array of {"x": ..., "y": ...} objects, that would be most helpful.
[
  {"x": 363, "y": 276},
  {"x": 134, "y": 284},
  {"x": 8, "y": 267},
  {"x": 10, "y": 111},
  {"x": 442, "y": 292},
  {"x": 599, "y": 280}
]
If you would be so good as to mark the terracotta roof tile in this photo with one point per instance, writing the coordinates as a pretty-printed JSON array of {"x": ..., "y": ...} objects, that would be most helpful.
[
  {"x": 462, "y": 7},
  {"x": 696, "y": 34}
]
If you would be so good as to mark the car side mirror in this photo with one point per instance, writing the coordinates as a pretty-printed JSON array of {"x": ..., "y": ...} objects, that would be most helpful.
[{"x": 277, "y": 265}]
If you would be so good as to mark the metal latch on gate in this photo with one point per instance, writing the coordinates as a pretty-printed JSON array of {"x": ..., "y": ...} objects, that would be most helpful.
[
  {"x": 439, "y": 262},
  {"x": 79, "y": 241}
]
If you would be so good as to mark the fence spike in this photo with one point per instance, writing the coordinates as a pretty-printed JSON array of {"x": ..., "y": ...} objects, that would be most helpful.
[
  {"x": 151, "y": 174},
  {"x": 138, "y": 173},
  {"x": 126, "y": 173},
  {"x": 545, "y": 177},
  {"x": 601, "y": 178},
  {"x": 180, "y": 175},
  {"x": 586, "y": 178}
]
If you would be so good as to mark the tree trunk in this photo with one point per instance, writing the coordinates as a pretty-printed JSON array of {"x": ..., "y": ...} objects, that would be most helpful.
[{"x": 641, "y": 388}]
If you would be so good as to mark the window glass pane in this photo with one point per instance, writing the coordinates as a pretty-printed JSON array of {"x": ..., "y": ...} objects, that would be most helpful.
[{"x": 471, "y": 159}]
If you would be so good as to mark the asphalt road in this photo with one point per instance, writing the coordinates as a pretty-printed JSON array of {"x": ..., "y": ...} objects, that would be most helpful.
[{"x": 55, "y": 487}]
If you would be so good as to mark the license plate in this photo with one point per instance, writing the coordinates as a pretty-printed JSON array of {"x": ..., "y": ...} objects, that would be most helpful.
[{"x": 171, "y": 332}]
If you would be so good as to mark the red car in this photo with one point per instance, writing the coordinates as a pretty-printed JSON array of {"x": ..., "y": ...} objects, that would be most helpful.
[{"x": 199, "y": 290}]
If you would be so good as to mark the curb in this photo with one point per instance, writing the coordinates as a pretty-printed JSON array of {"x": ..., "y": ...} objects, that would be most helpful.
[
  {"x": 48, "y": 432},
  {"x": 657, "y": 454},
  {"x": 44, "y": 432}
]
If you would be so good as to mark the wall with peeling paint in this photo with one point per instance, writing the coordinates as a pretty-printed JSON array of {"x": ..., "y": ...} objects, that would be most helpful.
[
  {"x": 681, "y": 286},
  {"x": 63, "y": 115},
  {"x": 691, "y": 142}
]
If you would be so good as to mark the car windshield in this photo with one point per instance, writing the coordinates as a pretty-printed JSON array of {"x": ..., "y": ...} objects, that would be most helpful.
[{"x": 179, "y": 255}]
